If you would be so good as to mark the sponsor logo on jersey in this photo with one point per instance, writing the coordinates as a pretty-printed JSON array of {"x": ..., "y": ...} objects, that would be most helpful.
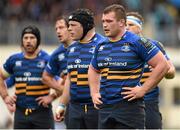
[
  {"x": 108, "y": 59},
  {"x": 27, "y": 74},
  {"x": 77, "y": 61},
  {"x": 61, "y": 56}
]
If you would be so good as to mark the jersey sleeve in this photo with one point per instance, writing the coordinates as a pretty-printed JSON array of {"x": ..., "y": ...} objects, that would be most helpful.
[
  {"x": 161, "y": 48},
  {"x": 146, "y": 49},
  {"x": 10, "y": 81},
  {"x": 8, "y": 65},
  {"x": 52, "y": 66}
]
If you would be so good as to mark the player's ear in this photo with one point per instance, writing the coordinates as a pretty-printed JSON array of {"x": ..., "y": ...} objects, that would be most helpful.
[{"x": 122, "y": 22}]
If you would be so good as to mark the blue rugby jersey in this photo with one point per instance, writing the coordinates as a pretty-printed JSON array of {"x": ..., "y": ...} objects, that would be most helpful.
[
  {"x": 79, "y": 58},
  {"x": 58, "y": 61},
  {"x": 28, "y": 78},
  {"x": 154, "y": 93},
  {"x": 121, "y": 64}
]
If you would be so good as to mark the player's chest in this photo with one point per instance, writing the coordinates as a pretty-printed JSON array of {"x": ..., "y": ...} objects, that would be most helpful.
[
  {"x": 116, "y": 55},
  {"x": 37, "y": 65}
]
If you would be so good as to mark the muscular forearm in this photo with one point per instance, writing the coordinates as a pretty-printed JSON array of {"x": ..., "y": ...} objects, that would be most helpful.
[
  {"x": 94, "y": 80},
  {"x": 156, "y": 76},
  {"x": 171, "y": 72},
  {"x": 64, "y": 99},
  {"x": 51, "y": 82},
  {"x": 3, "y": 89},
  {"x": 4, "y": 92},
  {"x": 54, "y": 95}
]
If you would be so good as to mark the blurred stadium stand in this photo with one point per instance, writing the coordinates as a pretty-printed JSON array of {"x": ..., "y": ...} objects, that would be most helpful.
[
  {"x": 162, "y": 17},
  {"x": 162, "y": 22}
]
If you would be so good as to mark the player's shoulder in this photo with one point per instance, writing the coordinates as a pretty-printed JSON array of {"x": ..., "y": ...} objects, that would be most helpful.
[
  {"x": 103, "y": 43},
  {"x": 157, "y": 43},
  {"x": 131, "y": 37},
  {"x": 137, "y": 40},
  {"x": 99, "y": 38},
  {"x": 43, "y": 54},
  {"x": 58, "y": 50},
  {"x": 72, "y": 47},
  {"x": 74, "y": 44},
  {"x": 16, "y": 55}
]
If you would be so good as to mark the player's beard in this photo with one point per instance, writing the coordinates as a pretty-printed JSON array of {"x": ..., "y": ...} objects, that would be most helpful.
[{"x": 30, "y": 49}]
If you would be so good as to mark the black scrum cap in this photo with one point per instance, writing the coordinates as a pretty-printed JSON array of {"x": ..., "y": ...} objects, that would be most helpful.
[
  {"x": 33, "y": 30},
  {"x": 85, "y": 18}
]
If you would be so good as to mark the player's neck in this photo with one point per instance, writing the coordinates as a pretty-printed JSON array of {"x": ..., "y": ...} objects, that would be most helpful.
[
  {"x": 31, "y": 55},
  {"x": 88, "y": 36},
  {"x": 68, "y": 43},
  {"x": 118, "y": 36}
]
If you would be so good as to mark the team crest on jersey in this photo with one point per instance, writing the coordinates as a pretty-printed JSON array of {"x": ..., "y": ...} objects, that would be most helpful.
[
  {"x": 41, "y": 64},
  {"x": 91, "y": 50},
  {"x": 72, "y": 49},
  {"x": 61, "y": 56},
  {"x": 77, "y": 61},
  {"x": 101, "y": 48},
  {"x": 18, "y": 63},
  {"x": 125, "y": 47}
]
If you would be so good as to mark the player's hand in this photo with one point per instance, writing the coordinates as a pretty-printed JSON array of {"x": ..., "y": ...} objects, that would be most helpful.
[
  {"x": 11, "y": 103},
  {"x": 133, "y": 93},
  {"x": 44, "y": 100},
  {"x": 10, "y": 100},
  {"x": 11, "y": 108},
  {"x": 59, "y": 113},
  {"x": 96, "y": 98}
]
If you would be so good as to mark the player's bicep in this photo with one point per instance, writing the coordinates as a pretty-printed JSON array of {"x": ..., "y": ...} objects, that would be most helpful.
[
  {"x": 157, "y": 59},
  {"x": 4, "y": 73}
]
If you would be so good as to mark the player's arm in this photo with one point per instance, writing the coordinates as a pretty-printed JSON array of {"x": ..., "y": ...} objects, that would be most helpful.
[
  {"x": 160, "y": 68},
  {"x": 3, "y": 88},
  {"x": 46, "y": 100},
  {"x": 64, "y": 100},
  {"x": 59, "y": 82},
  {"x": 9, "y": 100},
  {"x": 94, "y": 83},
  {"x": 171, "y": 72},
  {"x": 66, "y": 92},
  {"x": 50, "y": 81}
]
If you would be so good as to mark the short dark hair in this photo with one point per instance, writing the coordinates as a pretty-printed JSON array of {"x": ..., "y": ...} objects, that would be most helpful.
[
  {"x": 135, "y": 14},
  {"x": 62, "y": 17},
  {"x": 119, "y": 11}
]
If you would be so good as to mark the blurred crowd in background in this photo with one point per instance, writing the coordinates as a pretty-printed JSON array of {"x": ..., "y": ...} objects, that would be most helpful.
[{"x": 162, "y": 17}]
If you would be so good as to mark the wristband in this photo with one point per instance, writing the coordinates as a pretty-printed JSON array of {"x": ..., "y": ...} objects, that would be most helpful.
[{"x": 61, "y": 107}]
